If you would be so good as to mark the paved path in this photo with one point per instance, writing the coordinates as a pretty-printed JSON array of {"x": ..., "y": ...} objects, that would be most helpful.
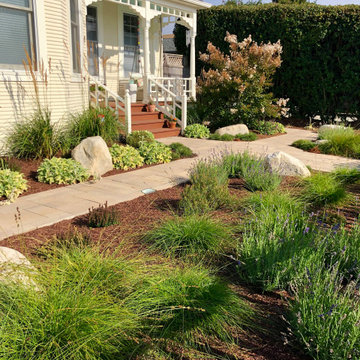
[{"x": 52, "y": 206}]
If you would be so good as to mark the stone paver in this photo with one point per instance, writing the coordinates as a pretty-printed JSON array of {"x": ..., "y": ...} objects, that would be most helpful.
[{"x": 49, "y": 207}]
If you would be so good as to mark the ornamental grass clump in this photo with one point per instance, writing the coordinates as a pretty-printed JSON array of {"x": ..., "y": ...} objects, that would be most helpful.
[
  {"x": 195, "y": 236},
  {"x": 12, "y": 184},
  {"x": 323, "y": 189},
  {"x": 61, "y": 171},
  {"x": 180, "y": 151},
  {"x": 346, "y": 176},
  {"x": 155, "y": 152},
  {"x": 325, "y": 313},
  {"x": 125, "y": 157},
  {"x": 253, "y": 170},
  {"x": 34, "y": 138},
  {"x": 91, "y": 122},
  {"x": 305, "y": 145},
  {"x": 343, "y": 141},
  {"x": 235, "y": 88},
  {"x": 103, "y": 216},
  {"x": 246, "y": 137},
  {"x": 208, "y": 189}
]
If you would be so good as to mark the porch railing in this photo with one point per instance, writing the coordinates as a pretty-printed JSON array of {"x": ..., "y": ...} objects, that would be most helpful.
[
  {"x": 101, "y": 95},
  {"x": 170, "y": 103},
  {"x": 177, "y": 86}
]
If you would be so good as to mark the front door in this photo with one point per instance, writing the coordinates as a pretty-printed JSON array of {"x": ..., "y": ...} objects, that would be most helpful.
[{"x": 131, "y": 45}]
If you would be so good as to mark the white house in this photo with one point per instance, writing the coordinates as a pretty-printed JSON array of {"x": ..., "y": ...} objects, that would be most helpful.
[{"x": 103, "y": 43}]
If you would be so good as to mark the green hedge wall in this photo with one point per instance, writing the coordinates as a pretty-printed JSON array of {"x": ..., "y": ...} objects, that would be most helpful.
[{"x": 320, "y": 72}]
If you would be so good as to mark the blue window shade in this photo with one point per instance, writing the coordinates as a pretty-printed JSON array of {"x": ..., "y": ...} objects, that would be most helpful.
[
  {"x": 15, "y": 34},
  {"x": 23, "y": 3}
]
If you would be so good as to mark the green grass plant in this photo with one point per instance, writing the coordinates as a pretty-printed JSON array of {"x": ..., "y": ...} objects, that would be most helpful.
[
  {"x": 137, "y": 137},
  {"x": 305, "y": 145},
  {"x": 246, "y": 137},
  {"x": 180, "y": 151},
  {"x": 346, "y": 176},
  {"x": 195, "y": 236}
]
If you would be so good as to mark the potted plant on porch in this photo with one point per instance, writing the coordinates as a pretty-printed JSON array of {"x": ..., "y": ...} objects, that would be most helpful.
[
  {"x": 151, "y": 106},
  {"x": 171, "y": 123}
]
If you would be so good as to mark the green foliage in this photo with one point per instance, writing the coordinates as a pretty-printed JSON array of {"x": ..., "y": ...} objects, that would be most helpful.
[
  {"x": 208, "y": 190},
  {"x": 155, "y": 152},
  {"x": 253, "y": 170},
  {"x": 180, "y": 151},
  {"x": 267, "y": 127},
  {"x": 189, "y": 303},
  {"x": 8, "y": 163},
  {"x": 319, "y": 60},
  {"x": 12, "y": 184},
  {"x": 227, "y": 137},
  {"x": 305, "y": 145},
  {"x": 192, "y": 235},
  {"x": 246, "y": 137},
  {"x": 323, "y": 189},
  {"x": 215, "y": 137},
  {"x": 343, "y": 141},
  {"x": 103, "y": 216},
  {"x": 125, "y": 157},
  {"x": 326, "y": 314},
  {"x": 61, "y": 171},
  {"x": 137, "y": 137},
  {"x": 34, "y": 138},
  {"x": 346, "y": 175},
  {"x": 197, "y": 131},
  {"x": 91, "y": 122}
]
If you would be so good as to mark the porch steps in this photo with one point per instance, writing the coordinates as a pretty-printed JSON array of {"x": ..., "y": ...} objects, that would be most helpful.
[{"x": 151, "y": 121}]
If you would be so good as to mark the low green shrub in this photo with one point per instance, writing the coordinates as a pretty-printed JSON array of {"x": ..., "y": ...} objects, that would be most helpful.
[
  {"x": 125, "y": 157},
  {"x": 305, "y": 145},
  {"x": 191, "y": 235},
  {"x": 197, "y": 131},
  {"x": 189, "y": 303},
  {"x": 267, "y": 127},
  {"x": 91, "y": 122},
  {"x": 180, "y": 151},
  {"x": 227, "y": 137},
  {"x": 61, "y": 171},
  {"x": 12, "y": 184},
  {"x": 155, "y": 152},
  {"x": 253, "y": 170},
  {"x": 34, "y": 138},
  {"x": 246, "y": 137},
  {"x": 340, "y": 141},
  {"x": 103, "y": 216},
  {"x": 346, "y": 175},
  {"x": 322, "y": 189},
  {"x": 208, "y": 190},
  {"x": 215, "y": 137},
  {"x": 325, "y": 314},
  {"x": 136, "y": 138}
]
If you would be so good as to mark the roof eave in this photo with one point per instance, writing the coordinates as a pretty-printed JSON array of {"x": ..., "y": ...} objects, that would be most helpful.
[{"x": 198, "y": 4}]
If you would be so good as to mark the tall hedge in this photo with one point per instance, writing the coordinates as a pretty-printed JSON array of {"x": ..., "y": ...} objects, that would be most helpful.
[{"x": 320, "y": 72}]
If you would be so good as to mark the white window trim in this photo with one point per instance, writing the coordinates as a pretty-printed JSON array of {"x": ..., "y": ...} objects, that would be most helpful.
[
  {"x": 77, "y": 76},
  {"x": 39, "y": 29}
]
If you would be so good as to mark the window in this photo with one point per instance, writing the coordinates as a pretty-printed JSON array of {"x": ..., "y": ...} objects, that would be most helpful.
[
  {"x": 92, "y": 40},
  {"x": 17, "y": 32},
  {"x": 75, "y": 35},
  {"x": 131, "y": 44}
]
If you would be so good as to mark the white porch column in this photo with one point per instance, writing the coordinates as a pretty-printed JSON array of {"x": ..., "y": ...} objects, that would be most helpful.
[
  {"x": 147, "y": 72},
  {"x": 193, "y": 63}
]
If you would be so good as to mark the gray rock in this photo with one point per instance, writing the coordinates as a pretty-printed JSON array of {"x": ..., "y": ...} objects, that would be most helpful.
[
  {"x": 233, "y": 130},
  {"x": 322, "y": 141},
  {"x": 286, "y": 165},
  {"x": 15, "y": 267},
  {"x": 330, "y": 127},
  {"x": 94, "y": 155}
]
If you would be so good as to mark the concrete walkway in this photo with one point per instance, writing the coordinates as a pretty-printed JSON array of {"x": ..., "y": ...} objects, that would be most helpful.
[{"x": 49, "y": 207}]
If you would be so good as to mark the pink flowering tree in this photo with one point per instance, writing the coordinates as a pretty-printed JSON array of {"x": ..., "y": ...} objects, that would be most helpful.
[{"x": 235, "y": 88}]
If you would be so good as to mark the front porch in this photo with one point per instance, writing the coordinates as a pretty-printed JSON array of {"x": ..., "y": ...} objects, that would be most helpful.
[{"x": 125, "y": 46}]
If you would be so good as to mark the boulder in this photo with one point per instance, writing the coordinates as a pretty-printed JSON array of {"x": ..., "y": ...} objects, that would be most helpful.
[
  {"x": 330, "y": 127},
  {"x": 233, "y": 130},
  {"x": 94, "y": 155},
  {"x": 286, "y": 165},
  {"x": 15, "y": 267},
  {"x": 321, "y": 141}
]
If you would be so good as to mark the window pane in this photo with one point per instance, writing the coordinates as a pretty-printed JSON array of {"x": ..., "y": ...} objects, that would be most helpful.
[
  {"x": 14, "y": 30},
  {"x": 74, "y": 11},
  {"x": 75, "y": 48},
  {"x": 24, "y": 3}
]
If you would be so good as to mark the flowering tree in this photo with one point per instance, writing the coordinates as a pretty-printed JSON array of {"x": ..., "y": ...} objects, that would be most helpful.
[{"x": 235, "y": 88}]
